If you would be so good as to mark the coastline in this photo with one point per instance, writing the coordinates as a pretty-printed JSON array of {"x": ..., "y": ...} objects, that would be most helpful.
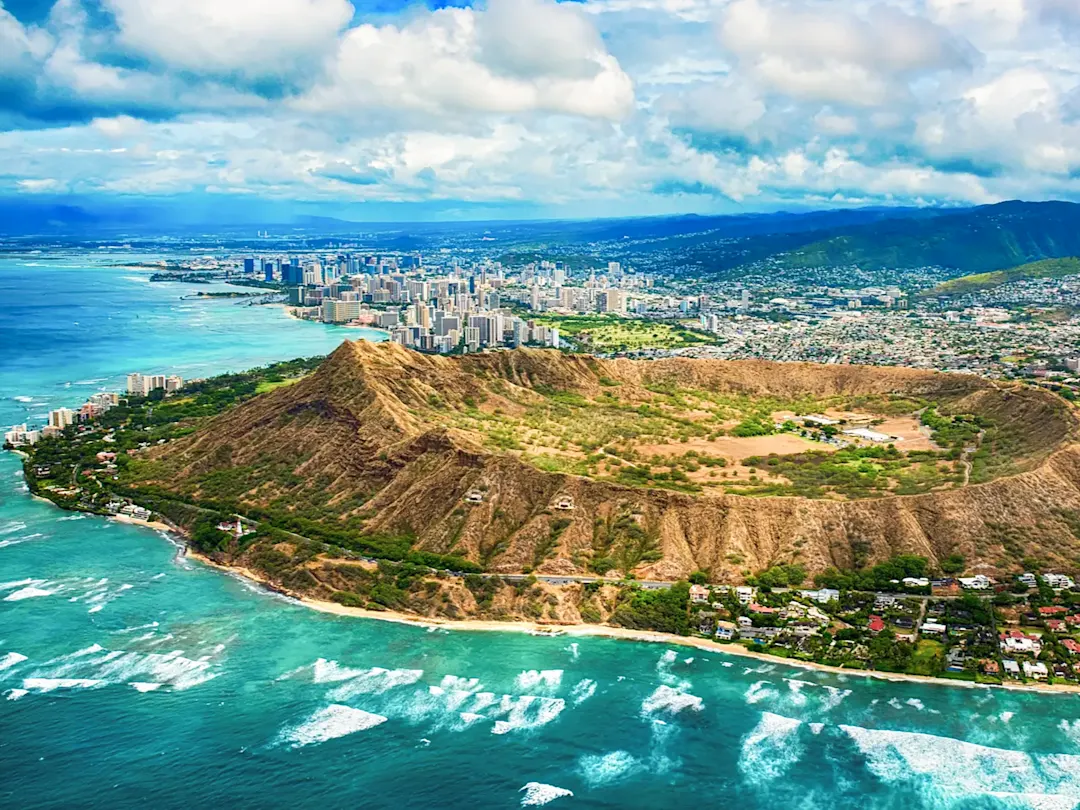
[
  {"x": 537, "y": 629},
  {"x": 607, "y": 631}
]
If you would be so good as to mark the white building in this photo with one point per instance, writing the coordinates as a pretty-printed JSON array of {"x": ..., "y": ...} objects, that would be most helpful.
[
  {"x": 19, "y": 436},
  {"x": 979, "y": 582},
  {"x": 745, "y": 594},
  {"x": 1058, "y": 581},
  {"x": 869, "y": 435},
  {"x": 822, "y": 595},
  {"x": 61, "y": 418}
]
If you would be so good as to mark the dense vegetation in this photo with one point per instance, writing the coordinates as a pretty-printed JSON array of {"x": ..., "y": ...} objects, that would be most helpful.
[
  {"x": 1047, "y": 268},
  {"x": 662, "y": 610},
  {"x": 976, "y": 241}
]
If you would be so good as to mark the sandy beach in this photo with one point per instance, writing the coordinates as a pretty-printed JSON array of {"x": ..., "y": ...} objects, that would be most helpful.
[
  {"x": 149, "y": 524},
  {"x": 606, "y": 631}
]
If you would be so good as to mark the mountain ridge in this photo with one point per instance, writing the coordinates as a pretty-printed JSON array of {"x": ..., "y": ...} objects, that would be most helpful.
[{"x": 359, "y": 441}]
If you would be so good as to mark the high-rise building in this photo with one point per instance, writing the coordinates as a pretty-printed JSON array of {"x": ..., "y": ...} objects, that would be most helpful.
[
  {"x": 61, "y": 418},
  {"x": 137, "y": 385}
]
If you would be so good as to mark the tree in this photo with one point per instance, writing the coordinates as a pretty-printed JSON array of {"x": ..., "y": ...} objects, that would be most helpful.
[{"x": 953, "y": 564}]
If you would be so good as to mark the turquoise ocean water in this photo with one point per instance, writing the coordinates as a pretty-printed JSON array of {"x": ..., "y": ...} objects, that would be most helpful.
[{"x": 129, "y": 677}]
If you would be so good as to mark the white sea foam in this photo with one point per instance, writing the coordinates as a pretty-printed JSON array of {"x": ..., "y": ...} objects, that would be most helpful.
[
  {"x": 454, "y": 683},
  {"x": 1007, "y": 716},
  {"x": 375, "y": 681},
  {"x": 833, "y": 697},
  {"x": 11, "y": 528},
  {"x": 582, "y": 691},
  {"x": 468, "y": 718},
  {"x": 71, "y": 517},
  {"x": 795, "y": 686},
  {"x": 759, "y": 691},
  {"x": 609, "y": 768},
  {"x": 29, "y": 592},
  {"x": 23, "y": 399},
  {"x": 915, "y": 703},
  {"x": 537, "y": 794},
  {"x": 670, "y": 701},
  {"x": 770, "y": 750},
  {"x": 137, "y": 627},
  {"x": 525, "y": 712},
  {"x": 19, "y": 583},
  {"x": 11, "y": 659},
  {"x": 146, "y": 687},
  {"x": 49, "y": 684},
  {"x": 945, "y": 768},
  {"x": 573, "y": 649},
  {"x": 15, "y": 694},
  {"x": 533, "y": 680},
  {"x": 330, "y": 723},
  {"x": 815, "y": 728}
]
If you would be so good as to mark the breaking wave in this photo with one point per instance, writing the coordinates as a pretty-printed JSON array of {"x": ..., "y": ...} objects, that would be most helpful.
[
  {"x": 533, "y": 680},
  {"x": 330, "y": 723},
  {"x": 770, "y": 749},
  {"x": 666, "y": 700},
  {"x": 946, "y": 769},
  {"x": 606, "y": 769},
  {"x": 537, "y": 794}
]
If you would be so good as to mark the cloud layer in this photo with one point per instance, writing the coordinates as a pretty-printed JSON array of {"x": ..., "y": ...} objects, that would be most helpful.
[{"x": 602, "y": 106}]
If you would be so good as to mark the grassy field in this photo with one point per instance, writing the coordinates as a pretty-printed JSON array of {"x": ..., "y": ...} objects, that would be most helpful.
[
  {"x": 700, "y": 441},
  {"x": 270, "y": 385},
  {"x": 611, "y": 333}
]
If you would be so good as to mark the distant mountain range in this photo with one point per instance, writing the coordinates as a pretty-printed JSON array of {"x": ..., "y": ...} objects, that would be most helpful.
[{"x": 958, "y": 242}]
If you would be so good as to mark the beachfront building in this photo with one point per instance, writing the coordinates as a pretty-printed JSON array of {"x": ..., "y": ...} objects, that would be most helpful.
[{"x": 21, "y": 436}]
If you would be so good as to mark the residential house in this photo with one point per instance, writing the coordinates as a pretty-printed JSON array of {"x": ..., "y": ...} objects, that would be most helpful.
[
  {"x": 822, "y": 595},
  {"x": 1011, "y": 667},
  {"x": 1013, "y": 641},
  {"x": 1072, "y": 646},
  {"x": 877, "y": 624},
  {"x": 699, "y": 594},
  {"x": 1035, "y": 669},
  {"x": 726, "y": 631},
  {"x": 979, "y": 582}
]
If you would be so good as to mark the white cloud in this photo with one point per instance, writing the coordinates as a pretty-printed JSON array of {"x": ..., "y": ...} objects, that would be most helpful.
[
  {"x": 258, "y": 38},
  {"x": 444, "y": 63},
  {"x": 825, "y": 52},
  {"x": 603, "y": 104}
]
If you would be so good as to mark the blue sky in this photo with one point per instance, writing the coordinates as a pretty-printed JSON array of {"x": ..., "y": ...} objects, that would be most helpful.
[{"x": 525, "y": 108}]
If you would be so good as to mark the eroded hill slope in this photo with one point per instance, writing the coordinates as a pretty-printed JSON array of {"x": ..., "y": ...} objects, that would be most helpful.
[{"x": 382, "y": 441}]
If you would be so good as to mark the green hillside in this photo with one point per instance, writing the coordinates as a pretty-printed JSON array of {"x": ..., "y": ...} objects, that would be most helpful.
[
  {"x": 1047, "y": 268},
  {"x": 978, "y": 240}
]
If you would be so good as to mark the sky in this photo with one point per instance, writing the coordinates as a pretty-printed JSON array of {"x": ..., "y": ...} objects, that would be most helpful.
[{"x": 525, "y": 108}]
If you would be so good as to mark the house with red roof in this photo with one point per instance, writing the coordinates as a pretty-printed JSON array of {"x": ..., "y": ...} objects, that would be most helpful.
[
  {"x": 1053, "y": 610},
  {"x": 1071, "y": 645},
  {"x": 877, "y": 624}
]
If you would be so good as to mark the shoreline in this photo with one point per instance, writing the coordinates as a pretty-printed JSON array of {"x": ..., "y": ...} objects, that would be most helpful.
[
  {"x": 607, "y": 631},
  {"x": 555, "y": 630}
]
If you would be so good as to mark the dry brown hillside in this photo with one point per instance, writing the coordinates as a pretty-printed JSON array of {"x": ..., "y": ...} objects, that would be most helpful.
[{"x": 463, "y": 455}]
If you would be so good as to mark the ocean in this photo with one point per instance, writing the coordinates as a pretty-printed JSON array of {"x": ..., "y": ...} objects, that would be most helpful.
[{"x": 129, "y": 676}]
